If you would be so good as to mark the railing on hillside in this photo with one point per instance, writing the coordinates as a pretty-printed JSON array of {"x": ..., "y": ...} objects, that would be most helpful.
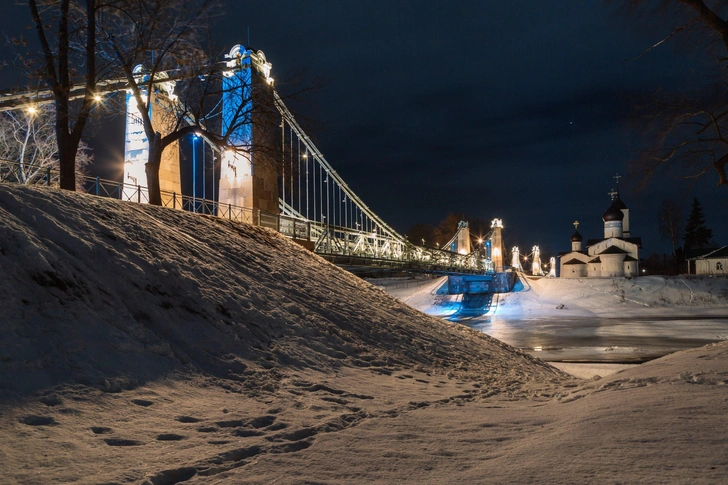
[
  {"x": 328, "y": 240},
  {"x": 289, "y": 226}
]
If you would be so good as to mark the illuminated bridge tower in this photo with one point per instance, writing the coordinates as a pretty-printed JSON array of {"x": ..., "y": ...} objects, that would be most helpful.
[
  {"x": 516, "y": 259},
  {"x": 249, "y": 174},
  {"x": 496, "y": 244},
  {"x": 536, "y": 265},
  {"x": 136, "y": 146},
  {"x": 463, "y": 238}
]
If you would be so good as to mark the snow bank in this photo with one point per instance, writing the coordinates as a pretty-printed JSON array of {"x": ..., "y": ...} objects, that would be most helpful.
[
  {"x": 150, "y": 346},
  {"x": 607, "y": 297},
  {"x": 113, "y": 294}
]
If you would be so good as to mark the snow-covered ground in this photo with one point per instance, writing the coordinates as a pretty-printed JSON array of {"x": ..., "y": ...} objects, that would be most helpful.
[
  {"x": 617, "y": 297},
  {"x": 147, "y": 345},
  {"x": 646, "y": 296},
  {"x": 602, "y": 320}
]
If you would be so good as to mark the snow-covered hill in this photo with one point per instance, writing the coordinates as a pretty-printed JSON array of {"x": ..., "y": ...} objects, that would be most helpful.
[
  {"x": 610, "y": 297},
  {"x": 147, "y": 345},
  {"x": 646, "y": 296}
]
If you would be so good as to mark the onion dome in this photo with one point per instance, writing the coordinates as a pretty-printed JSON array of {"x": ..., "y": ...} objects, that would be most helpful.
[
  {"x": 618, "y": 203},
  {"x": 576, "y": 237},
  {"x": 613, "y": 213}
]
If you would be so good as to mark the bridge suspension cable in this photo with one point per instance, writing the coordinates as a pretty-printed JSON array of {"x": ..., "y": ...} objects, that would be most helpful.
[{"x": 310, "y": 190}]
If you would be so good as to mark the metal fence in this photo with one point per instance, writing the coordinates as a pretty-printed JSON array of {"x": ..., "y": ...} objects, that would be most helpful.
[{"x": 286, "y": 225}]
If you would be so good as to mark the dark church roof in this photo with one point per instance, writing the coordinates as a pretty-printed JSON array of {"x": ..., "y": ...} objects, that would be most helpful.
[
  {"x": 614, "y": 213},
  {"x": 618, "y": 203},
  {"x": 596, "y": 260},
  {"x": 574, "y": 261},
  {"x": 613, "y": 250},
  {"x": 564, "y": 253},
  {"x": 694, "y": 253},
  {"x": 629, "y": 258},
  {"x": 711, "y": 253},
  {"x": 576, "y": 237}
]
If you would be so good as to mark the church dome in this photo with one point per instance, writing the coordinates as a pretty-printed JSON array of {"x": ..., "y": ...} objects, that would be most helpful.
[
  {"x": 576, "y": 237},
  {"x": 618, "y": 203},
  {"x": 613, "y": 213}
]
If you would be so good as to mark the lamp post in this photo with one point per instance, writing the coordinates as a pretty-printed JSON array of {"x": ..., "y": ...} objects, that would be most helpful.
[
  {"x": 305, "y": 160},
  {"x": 204, "y": 181},
  {"x": 194, "y": 172}
]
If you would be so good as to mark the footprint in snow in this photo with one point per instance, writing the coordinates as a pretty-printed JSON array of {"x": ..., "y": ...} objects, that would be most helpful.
[
  {"x": 142, "y": 402},
  {"x": 34, "y": 420}
]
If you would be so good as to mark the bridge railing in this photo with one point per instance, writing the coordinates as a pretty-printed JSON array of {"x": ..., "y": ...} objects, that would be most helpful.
[
  {"x": 12, "y": 172},
  {"x": 327, "y": 239}
]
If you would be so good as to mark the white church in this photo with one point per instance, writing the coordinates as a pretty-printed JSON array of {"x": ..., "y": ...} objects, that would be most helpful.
[{"x": 616, "y": 254}]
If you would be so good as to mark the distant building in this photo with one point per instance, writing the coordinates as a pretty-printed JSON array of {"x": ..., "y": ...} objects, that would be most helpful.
[
  {"x": 616, "y": 254},
  {"x": 709, "y": 261}
]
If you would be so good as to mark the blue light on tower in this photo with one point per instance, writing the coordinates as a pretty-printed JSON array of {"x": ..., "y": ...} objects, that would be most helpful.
[{"x": 195, "y": 136}]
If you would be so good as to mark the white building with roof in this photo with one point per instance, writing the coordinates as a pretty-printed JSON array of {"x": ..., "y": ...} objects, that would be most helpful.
[
  {"x": 616, "y": 254},
  {"x": 712, "y": 262}
]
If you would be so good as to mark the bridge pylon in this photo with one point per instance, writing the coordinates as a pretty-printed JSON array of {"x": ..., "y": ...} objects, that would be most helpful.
[
  {"x": 496, "y": 245},
  {"x": 136, "y": 145},
  {"x": 463, "y": 238},
  {"x": 249, "y": 177}
]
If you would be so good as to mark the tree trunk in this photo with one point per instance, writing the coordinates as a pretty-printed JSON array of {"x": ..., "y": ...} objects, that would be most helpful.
[
  {"x": 66, "y": 159},
  {"x": 151, "y": 168}
]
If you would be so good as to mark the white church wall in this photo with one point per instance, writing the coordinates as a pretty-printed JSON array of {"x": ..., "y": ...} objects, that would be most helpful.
[
  {"x": 595, "y": 270},
  {"x": 573, "y": 270},
  {"x": 631, "y": 269},
  {"x": 613, "y": 229},
  {"x": 612, "y": 265},
  {"x": 625, "y": 223}
]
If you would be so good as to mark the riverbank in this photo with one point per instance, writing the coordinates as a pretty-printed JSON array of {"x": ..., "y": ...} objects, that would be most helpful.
[
  {"x": 646, "y": 296},
  {"x": 588, "y": 327}
]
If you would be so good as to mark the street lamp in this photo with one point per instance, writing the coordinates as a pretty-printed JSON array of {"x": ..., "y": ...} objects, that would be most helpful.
[
  {"x": 194, "y": 172},
  {"x": 305, "y": 160},
  {"x": 204, "y": 178}
]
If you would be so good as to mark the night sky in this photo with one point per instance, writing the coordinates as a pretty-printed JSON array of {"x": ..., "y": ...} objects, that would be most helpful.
[{"x": 518, "y": 110}]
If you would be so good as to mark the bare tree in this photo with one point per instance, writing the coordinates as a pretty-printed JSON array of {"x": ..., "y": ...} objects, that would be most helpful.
[
  {"x": 447, "y": 228},
  {"x": 670, "y": 223},
  {"x": 29, "y": 151},
  {"x": 692, "y": 22},
  {"x": 689, "y": 132},
  {"x": 67, "y": 31},
  {"x": 162, "y": 49},
  {"x": 689, "y": 136},
  {"x": 146, "y": 40}
]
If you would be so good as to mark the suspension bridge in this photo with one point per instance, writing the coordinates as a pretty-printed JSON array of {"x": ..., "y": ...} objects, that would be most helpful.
[{"x": 303, "y": 197}]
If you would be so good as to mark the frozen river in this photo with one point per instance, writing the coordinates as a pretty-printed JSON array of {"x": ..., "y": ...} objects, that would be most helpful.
[
  {"x": 593, "y": 338},
  {"x": 624, "y": 340}
]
